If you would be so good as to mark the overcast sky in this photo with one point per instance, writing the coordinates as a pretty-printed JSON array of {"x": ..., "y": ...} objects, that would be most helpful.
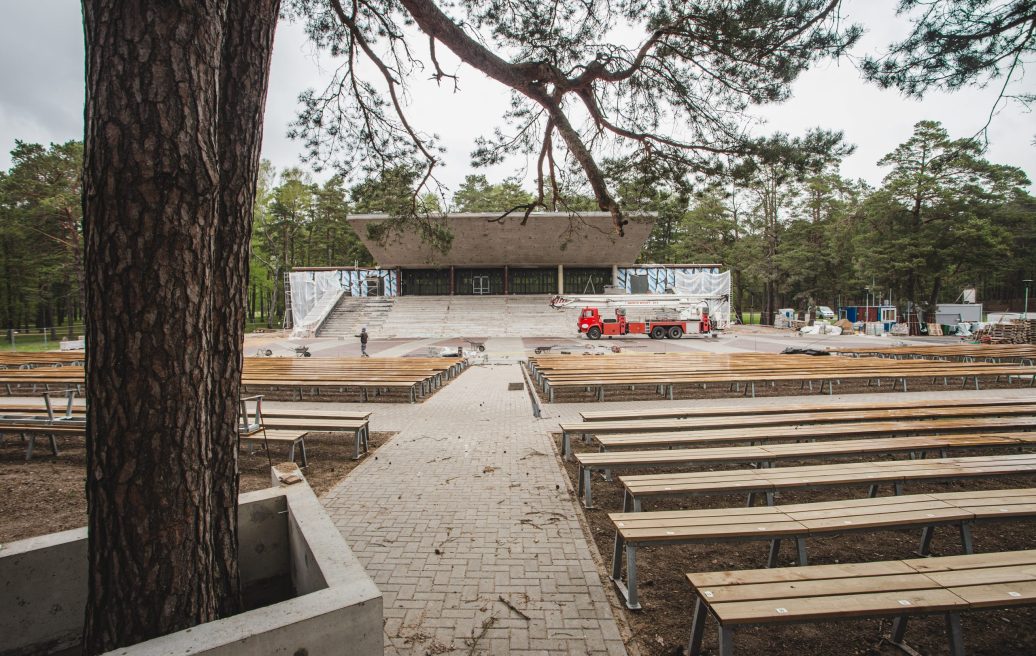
[{"x": 41, "y": 96}]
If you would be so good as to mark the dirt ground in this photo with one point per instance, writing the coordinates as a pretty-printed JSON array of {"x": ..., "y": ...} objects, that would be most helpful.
[
  {"x": 47, "y": 494},
  {"x": 663, "y": 626}
]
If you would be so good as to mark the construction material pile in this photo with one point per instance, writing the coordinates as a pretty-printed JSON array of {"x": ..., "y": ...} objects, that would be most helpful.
[{"x": 1014, "y": 332}]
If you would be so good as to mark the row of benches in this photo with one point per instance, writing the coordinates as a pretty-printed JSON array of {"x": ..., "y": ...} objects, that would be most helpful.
[
  {"x": 897, "y": 589},
  {"x": 743, "y": 371},
  {"x": 900, "y": 589},
  {"x": 671, "y": 432},
  {"x": 258, "y": 425},
  {"x": 408, "y": 378},
  {"x": 1021, "y": 353},
  {"x": 799, "y": 522}
]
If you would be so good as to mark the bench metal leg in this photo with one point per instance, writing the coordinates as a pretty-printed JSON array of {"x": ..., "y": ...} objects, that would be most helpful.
[
  {"x": 566, "y": 445},
  {"x": 965, "y": 538},
  {"x": 631, "y": 578},
  {"x": 800, "y": 545},
  {"x": 955, "y": 635},
  {"x": 586, "y": 475},
  {"x": 29, "y": 448},
  {"x": 898, "y": 630},
  {"x": 620, "y": 544},
  {"x": 359, "y": 445},
  {"x": 775, "y": 550},
  {"x": 726, "y": 641},
  {"x": 697, "y": 627},
  {"x": 302, "y": 448},
  {"x": 926, "y": 541}
]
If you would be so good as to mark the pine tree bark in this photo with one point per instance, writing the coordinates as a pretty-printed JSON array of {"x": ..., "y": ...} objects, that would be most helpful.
[
  {"x": 244, "y": 78},
  {"x": 169, "y": 181}
]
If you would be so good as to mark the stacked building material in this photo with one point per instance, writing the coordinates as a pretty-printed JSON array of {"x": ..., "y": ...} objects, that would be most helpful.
[{"x": 1014, "y": 332}]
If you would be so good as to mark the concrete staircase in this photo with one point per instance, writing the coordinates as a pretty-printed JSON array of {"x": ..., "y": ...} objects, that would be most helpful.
[
  {"x": 451, "y": 316},
  {"x": 354, "y": 312}
]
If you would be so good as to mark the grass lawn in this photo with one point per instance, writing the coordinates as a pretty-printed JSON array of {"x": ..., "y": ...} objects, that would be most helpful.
[{"x": 35, "y": 340}]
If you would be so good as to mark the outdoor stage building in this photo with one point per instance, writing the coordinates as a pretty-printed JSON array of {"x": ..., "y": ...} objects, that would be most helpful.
[{"x": 553, "y": 253}]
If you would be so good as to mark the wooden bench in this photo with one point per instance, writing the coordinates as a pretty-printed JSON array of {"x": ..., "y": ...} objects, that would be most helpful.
[
  {"x": 676, "y": 432},
  {"x": 763, "y": 435},
  {"x": 769, "y": 482},
  {"x": 801, "y": 521},
  {"x": 360, "y": 428},
  {"x": 665, "y": 371},
  {"x": 291, "y": 438},
  {"x": 766, "y": 456},
  {"x": 798, "y": 406},
  {"x": 30, "y": 431},
  {"x": 899, "y": 589}
]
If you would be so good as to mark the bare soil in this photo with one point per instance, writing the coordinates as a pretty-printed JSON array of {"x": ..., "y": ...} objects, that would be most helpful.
[
  {"x": 48, "y": 493},
  {"x": 663, "y": 626}
]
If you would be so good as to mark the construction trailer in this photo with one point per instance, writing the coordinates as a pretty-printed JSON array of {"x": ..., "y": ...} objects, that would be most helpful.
[{"x": 886, "y": 314}]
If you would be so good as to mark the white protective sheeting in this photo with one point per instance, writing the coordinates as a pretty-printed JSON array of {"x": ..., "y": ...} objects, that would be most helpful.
[
  {"x": 708, "y": 284},
  {"x": 309, "y": 324},
  {"x": 307, "y": 287}
]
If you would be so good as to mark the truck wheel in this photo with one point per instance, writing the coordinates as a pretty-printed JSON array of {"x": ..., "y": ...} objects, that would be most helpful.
[
  {"x": 658, "y": 332},
  {"x": 594, "y": 333},
  {"x": 675, "y": 332}
]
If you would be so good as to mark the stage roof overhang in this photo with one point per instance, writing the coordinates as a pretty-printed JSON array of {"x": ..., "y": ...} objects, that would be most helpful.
[{"x": 585, "y": 239}]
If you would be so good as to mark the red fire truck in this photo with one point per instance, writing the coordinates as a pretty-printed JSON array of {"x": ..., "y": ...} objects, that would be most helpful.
[
  {"x": 674, "y": 316},
  {"x": 594, "y": 326}
]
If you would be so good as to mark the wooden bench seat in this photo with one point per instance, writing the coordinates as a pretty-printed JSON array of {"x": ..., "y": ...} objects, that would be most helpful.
[
  {"x": 291, "y": 438},
  {"x": 766, "y": 456},
  {"x": 654, "y": 433},
  {"x": 769, "y": 482},
  {"x": 801, "y": 521},
  {"x": 899, "y": 589},
  {"x": 360, "y": 428},
  {"x": 48, "y": 429},
  {"x": 854, "y": 430},
  {"x": 787, "y": 408}
]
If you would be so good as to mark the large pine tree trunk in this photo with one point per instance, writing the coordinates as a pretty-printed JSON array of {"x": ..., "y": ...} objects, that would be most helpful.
[
  {"x": 166, "y": 167},
  {"x": 247, "y": 48}
]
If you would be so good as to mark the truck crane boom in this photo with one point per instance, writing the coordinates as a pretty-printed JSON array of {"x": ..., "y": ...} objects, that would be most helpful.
[{"x": 636, "y": 300}]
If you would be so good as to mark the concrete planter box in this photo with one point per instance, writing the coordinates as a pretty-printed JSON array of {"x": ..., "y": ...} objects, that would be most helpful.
[{"x": 318, "y": 598}]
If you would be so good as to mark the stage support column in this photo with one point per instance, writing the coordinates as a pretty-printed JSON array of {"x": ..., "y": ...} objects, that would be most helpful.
[
  {"x": 561, "y": 279},
  {"x": 506, "y": 283},
  {"x": 453, "y": 280},
  {"x": 615, "y": 275}
]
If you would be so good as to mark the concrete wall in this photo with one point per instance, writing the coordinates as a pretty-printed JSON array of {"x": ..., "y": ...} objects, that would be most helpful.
[
  {"x": 43, "y": 581},
  {"x": 285, "y": 537}
]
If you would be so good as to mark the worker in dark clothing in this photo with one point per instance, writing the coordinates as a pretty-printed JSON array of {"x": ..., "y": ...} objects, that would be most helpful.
[{"x": 363, "y": 342}]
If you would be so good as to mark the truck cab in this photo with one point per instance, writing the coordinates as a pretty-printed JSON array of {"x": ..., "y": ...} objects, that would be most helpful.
[{"x": 594, "y": 326}]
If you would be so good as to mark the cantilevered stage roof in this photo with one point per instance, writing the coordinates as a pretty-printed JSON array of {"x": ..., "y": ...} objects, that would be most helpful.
[{"x": 550, "y": 238}]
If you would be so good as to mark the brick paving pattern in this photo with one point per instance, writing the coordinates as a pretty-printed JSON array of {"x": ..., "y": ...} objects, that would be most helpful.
[{"x": 468, "y": 504}]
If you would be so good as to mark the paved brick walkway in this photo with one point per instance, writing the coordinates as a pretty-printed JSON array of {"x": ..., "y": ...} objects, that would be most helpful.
[{"x": 467, "y": 505}]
